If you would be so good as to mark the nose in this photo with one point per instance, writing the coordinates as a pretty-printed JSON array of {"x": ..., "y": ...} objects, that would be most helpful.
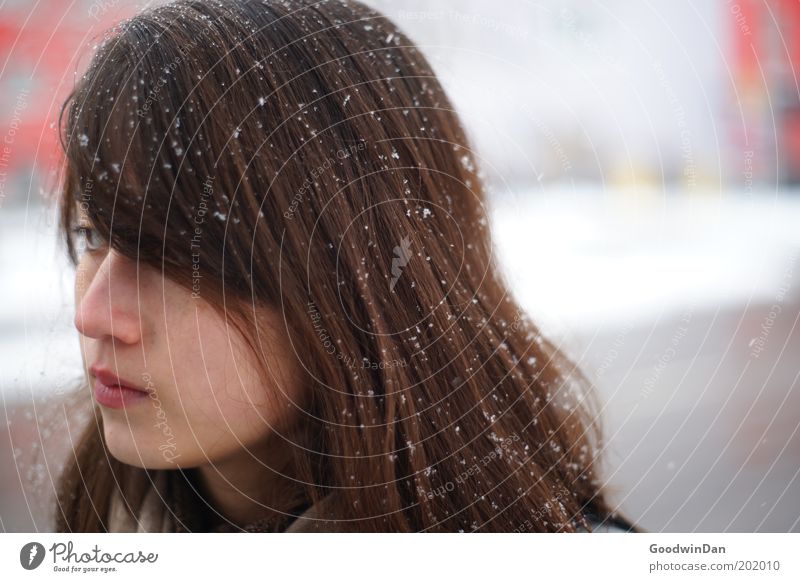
[{"x": 108, "y": 307}]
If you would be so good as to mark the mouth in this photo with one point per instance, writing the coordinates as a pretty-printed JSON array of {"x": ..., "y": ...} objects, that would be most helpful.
[{"x": 111, "y": 391}]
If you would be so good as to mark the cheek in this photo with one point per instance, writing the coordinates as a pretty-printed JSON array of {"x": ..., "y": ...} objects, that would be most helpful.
[
  {"x": 212, "y": 380},
  {"x": 217, "y": 383}
]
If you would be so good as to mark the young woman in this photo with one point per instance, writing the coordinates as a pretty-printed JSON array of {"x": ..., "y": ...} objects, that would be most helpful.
[{"x": 289, "y": 311}]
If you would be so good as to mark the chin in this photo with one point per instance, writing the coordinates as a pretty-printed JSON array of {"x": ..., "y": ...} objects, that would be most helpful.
[{"x": 143, "y": 453}]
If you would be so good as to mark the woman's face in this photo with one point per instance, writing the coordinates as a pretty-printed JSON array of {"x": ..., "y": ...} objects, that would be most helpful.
[{"x": 176, "y": 385}]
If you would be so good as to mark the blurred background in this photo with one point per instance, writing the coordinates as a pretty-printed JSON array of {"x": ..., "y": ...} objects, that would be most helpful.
[{"x": 644, "y": 164}]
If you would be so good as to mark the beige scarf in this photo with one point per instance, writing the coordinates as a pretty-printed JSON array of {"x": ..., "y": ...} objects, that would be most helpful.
[{"x": 157, "y": 516}]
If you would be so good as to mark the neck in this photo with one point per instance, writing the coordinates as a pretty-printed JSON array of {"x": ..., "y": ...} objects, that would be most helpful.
[{"x": 249, "y": 487}]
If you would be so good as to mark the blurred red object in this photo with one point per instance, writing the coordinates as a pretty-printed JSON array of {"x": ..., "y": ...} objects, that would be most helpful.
[{"x": 43, "y": 45}]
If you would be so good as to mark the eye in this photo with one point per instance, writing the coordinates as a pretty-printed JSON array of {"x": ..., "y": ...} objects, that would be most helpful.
[{"x": 88, "y": 239}]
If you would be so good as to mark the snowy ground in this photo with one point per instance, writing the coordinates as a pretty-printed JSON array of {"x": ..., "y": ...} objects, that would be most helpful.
[{"x": 659, "y": 297}]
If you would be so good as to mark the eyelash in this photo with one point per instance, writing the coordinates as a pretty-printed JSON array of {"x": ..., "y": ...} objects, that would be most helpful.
[{"x": 84, "y": 234}]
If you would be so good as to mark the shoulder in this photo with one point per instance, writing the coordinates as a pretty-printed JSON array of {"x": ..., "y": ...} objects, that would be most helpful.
[
  {"x": 610, "y": 524},
  {"x": 314, "y": 520}
]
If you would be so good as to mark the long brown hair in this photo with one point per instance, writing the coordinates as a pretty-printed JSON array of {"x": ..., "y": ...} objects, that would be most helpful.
[{"x": 336, "y": 184}]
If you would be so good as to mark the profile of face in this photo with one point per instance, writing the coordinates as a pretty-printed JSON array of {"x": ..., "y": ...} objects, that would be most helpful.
[{"x": 176, "y": 384}]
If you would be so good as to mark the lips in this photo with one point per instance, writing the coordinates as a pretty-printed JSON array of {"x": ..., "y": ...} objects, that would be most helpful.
[{"x": 112, "y": 391}]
